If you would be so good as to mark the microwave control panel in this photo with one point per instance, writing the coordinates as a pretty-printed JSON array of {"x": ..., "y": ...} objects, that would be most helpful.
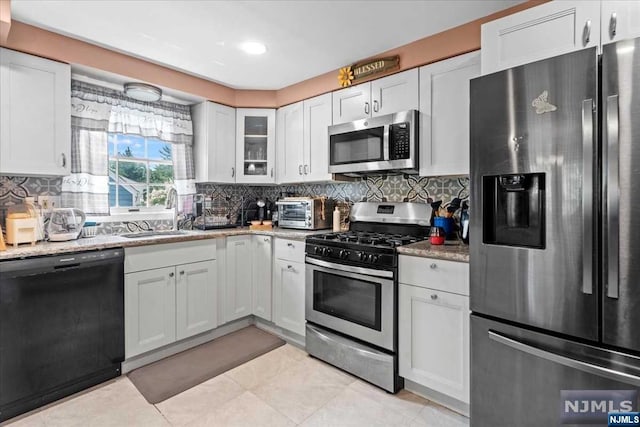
[{"x": 399, "y": 136}]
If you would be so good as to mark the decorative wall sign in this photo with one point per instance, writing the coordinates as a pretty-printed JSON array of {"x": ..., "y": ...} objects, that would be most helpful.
[{"x": 352, "y": 73}]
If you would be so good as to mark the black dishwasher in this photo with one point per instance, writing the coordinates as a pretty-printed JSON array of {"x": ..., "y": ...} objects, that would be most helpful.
[{"x": 61, "y": 326}]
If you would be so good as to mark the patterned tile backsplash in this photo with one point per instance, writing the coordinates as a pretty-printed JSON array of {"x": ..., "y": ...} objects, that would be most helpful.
[{"x": 391, "y": 188}]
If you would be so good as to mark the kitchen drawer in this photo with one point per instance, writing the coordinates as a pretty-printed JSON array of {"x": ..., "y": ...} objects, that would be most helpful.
[
  {"x": 290, "y": 250},
  {"x": 448, "y": 276},
  {"x": 157, "y": 256}
]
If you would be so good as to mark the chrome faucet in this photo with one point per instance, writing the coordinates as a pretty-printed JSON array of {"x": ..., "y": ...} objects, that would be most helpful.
[{"x": 172, "y": 203}]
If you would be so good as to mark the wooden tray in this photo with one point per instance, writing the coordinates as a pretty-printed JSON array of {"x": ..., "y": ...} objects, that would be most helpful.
[{"x": 261, "y": 227}]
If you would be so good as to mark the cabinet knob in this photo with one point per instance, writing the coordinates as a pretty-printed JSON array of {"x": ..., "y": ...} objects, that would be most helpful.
[
  {"x": 434, "y": 296},
  {"x": 306, "y": 169},
  {"x": 299, "y": 169},
  {"x": 233, "y": 172},
  {"x": 290, "y": 244},
  {"x": 63, "y": 160},
  {"x": 182, "y": 273},
  {"x": 587, "y": 32},
  {"x": 290, "y": 267},
  {"x": 266, "y": 239},
  {"x": 613, "y": 24},
  {"x": 271, "y": 172},
  {"x": 171, "y": 274},
  {"x": 366, "y": 108},
  {"x": 434, "y": 266},
  {"x": 375, "y": 106}
]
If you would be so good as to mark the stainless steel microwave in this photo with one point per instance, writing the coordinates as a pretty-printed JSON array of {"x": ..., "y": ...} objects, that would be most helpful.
[{"x": 378, "y": 144}]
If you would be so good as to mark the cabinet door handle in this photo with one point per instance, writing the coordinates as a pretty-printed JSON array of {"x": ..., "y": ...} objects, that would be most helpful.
[
  {"x": 63, "y": 157},
  {"x": 290, "y": 267},
  {"x": 271, "y": 172},
  {"x": 290, "y": 245},
  {"x": 613, "y": 24},
  {"x": 266, "y": 239},
  {"x": 299, "y": 169},
  {"x": 171, "y": 274},
  {"x": 375, "y": 106},
  {"x": 433, "y": 266},
  {"x": 233, "y": 172},
  {"x": 587, "y": 32},
  {"x": 306, "y": 169},
  {"x": 434, "y": 296},
  {"x": 366, "y": 108},
  {"x": 182, "y": 273}
]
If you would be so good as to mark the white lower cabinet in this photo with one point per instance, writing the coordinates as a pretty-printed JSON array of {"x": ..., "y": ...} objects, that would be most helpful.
[
  {"x": 150, "y": 310},
  {"x": 239, "y": 283},
  {"x": 433, "y": 340},
  {"x": 262, "y": 262},
  {"x": 196, "y": 298},
  {"x": 288, "y": 285},
  {"x": 170, "y": 294}
]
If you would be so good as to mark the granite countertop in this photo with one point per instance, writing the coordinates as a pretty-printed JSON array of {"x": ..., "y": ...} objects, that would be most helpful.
[
  {"x": 116, "y": 241},
  {"x": 451, "y": 251}
]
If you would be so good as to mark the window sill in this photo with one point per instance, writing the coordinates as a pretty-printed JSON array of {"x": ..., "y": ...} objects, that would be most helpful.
[{"x": 134, "y": 216}]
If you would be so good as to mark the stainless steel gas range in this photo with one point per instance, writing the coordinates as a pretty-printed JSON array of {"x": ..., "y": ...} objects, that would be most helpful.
[{"x": 352, "y": 290}]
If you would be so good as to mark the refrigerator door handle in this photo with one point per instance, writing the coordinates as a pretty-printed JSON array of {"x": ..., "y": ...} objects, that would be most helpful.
[
  {"x": 613, "y": 197},
  {"x": 587, "y": 194},
  {"x": 587, "y": 367}
]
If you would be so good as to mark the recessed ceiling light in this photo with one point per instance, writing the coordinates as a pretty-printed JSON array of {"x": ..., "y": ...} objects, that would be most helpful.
[{"x": 253, "y": 48}]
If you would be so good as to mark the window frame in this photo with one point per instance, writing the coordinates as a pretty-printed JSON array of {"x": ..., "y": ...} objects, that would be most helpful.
[{"x": 146, "y": 161}]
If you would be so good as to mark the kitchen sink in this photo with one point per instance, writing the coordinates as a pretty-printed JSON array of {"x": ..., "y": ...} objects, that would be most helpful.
[{"x": 141, "y": 234}]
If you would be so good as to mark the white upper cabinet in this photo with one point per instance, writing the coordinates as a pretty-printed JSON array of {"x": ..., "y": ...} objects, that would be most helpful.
[
  {"x": 398, "y": 92},
  {"x": 214, "y": 127},
  {"x": 541, "y": 32},
  {"x": 303, "y": 140},
  {"x": 620, "y": 20},
  {"x": 352, "y": 103},
  {"x": 35, "y": 115},
  {"x": 290, "y": 135},
  {"x": 255, "y": 145},
  {"x": 317, "y": 119},
  {"x": 444, "y": 108}
]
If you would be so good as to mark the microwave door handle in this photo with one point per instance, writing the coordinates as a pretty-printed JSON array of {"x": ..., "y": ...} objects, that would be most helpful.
[{"x": 385, "y": 143}]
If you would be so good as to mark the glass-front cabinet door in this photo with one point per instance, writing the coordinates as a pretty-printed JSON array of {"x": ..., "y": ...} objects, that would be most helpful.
[{"x": 255, "y": 145}]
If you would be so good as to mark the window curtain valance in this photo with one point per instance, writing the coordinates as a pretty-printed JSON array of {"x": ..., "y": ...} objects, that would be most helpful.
[{"x": 97, "y": 111}]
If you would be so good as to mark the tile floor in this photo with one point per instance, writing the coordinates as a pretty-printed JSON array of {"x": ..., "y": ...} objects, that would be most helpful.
[{"x": 282, "y": 388}]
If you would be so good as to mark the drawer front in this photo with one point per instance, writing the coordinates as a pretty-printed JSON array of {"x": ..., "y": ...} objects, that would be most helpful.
[
  {"x": 157, "y": 256},
  {"x": 290, "y": 250},
  {"x": 448, "y": 276}
]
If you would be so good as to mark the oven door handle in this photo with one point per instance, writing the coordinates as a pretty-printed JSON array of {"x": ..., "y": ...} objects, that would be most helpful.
[{"x": 350, "y": 268}]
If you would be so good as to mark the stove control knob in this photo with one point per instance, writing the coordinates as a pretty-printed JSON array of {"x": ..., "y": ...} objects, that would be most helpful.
[
  {"x": 329, "y": 252},
  {"x": 343, "y": 254},
  {"x": 323, "y": 251},
  {"x": 375, "y": 259},
  {"x": 316, "y": 250},
  {"x": 361, "y": 256},
  {"x": 370, "y": 258}
]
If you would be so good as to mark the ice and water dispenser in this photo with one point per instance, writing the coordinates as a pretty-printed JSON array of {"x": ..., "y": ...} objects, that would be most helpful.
[{"x": 514, "y": 210}]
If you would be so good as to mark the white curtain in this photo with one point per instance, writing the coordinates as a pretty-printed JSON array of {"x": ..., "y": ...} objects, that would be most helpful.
[
  {"x": 87, "y": 187},
  {"x": 97, "y": 111}
]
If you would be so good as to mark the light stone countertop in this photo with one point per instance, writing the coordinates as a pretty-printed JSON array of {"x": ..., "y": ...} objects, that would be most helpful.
[
  {"x": 116, "y": 241},
  {"x": 451, "y": 251}
]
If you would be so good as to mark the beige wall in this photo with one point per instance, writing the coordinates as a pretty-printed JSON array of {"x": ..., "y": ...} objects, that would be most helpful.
[{"x": 36, "y": 41}]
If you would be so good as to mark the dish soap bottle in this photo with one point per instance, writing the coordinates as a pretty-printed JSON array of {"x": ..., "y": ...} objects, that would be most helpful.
[{"x": 336, "y": 219}]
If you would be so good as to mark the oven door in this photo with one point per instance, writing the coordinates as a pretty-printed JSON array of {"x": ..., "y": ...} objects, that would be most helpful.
[
  {"x": 356, "y": 301},
  {"x": 293, "y": 215}
]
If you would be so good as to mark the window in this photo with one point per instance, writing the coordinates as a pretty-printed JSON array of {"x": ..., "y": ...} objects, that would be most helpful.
[{"x": 140, "y": 171}]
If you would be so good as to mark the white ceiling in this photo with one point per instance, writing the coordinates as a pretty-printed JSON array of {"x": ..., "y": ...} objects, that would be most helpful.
[{"x": 304, "y": 38}]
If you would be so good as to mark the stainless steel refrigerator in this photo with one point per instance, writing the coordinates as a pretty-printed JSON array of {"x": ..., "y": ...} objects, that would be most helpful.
[{"x": 555, "y": 233}]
